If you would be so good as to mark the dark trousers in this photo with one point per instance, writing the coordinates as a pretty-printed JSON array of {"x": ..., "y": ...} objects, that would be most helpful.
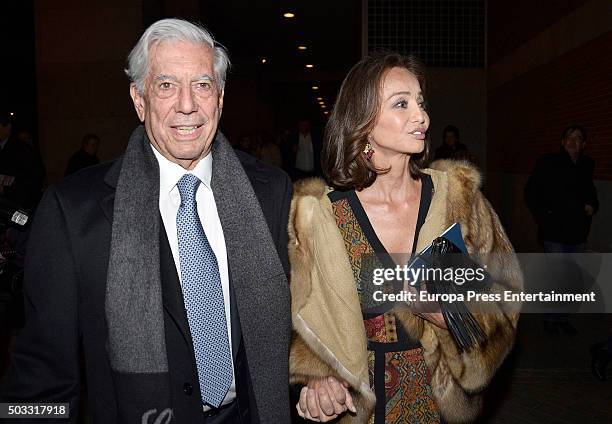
[{"x": 561, "y": 248}]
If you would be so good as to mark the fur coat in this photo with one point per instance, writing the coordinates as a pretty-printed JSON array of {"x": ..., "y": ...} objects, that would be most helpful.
[{"x": 329, "y": 336}]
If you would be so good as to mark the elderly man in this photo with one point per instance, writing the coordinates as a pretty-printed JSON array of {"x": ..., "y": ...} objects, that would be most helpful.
[{"x": 166, "y": 266}]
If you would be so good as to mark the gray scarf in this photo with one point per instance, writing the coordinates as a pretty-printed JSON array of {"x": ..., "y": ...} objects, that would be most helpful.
[{"x": 134, "y": 310}]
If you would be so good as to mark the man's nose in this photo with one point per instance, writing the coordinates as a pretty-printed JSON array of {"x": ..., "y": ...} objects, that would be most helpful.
[{"x": 186, "y": 101}]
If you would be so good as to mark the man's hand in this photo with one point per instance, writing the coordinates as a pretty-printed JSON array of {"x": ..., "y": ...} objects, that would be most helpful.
[
  {"x": 588, "y": 209},
  {"x": 324, "y": 399}
]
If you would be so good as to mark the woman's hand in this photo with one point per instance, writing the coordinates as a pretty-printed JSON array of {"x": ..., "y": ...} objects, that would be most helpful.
[
  {"x": 324, "y": 399},
  {"x": 429, "y": 311},
  {"x": 435, "y": 318}
]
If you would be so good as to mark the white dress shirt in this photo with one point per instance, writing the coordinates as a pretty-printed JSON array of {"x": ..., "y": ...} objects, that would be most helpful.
[
  {"x": 170, "y": 200},
  {"x": 304, "y": 158}
]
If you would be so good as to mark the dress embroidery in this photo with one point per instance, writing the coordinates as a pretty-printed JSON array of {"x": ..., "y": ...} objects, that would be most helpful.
[{"x": 407, "y": 391}]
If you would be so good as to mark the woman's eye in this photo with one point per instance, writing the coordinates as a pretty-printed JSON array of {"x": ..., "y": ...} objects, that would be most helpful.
[{"x": 402, "y": 103}]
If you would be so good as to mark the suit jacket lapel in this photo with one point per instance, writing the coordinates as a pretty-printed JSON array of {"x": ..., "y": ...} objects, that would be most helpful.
[{"x": 171, "y": 288}]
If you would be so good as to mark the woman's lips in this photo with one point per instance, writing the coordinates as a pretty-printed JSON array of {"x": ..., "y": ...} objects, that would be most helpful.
[{"x": 419, "y": 135}]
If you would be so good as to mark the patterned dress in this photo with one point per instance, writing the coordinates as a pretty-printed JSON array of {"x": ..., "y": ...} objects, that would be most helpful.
[{"x": 398, "y": 373}]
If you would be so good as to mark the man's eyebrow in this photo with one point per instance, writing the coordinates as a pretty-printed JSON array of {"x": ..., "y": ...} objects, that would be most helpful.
[
  {"x": 163, "y": 77},
  {"x": 202, "y": 77}
]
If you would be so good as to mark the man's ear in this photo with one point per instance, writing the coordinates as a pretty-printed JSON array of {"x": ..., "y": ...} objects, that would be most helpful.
[
  {"x": 139, "y": 103},
  {"x": 221, "y": 100}
]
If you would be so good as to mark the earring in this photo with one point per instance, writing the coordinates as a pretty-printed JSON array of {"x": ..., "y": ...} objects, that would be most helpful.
[{"x": 368, "y": 151}]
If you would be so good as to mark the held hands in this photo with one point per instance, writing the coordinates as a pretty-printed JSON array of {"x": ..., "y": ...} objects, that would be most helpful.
[
  {"x": 588, "y": 210},
  {"x": 324, "y": 399}
]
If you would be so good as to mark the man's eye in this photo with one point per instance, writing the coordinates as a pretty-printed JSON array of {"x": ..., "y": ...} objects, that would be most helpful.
[
  {"x": 206, "y": 86},
  {"x": 165, "y": 85}
]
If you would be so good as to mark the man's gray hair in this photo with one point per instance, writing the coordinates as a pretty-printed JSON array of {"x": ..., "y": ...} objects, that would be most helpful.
[{"x": 173, "y": 30}]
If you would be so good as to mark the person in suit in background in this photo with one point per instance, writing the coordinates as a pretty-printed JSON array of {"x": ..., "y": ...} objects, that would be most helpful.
[
  {"x": 562, "y": 199},
  {"x": 167, "y": 266},
  {"x": 561, "y": 195},
  {"x": 86, "y": 156}
]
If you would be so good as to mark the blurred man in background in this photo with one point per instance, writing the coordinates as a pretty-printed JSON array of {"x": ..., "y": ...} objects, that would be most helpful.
[
  {"x": 86, "y": 156},
  {"x": 562, "y": 198}
]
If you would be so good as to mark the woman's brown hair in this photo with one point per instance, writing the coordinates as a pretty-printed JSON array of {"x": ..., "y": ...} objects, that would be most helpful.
[{"x": 353, "y": 118}]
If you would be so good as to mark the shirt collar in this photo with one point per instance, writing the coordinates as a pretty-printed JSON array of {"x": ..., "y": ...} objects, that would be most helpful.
[{"x": 170, "y": 173}]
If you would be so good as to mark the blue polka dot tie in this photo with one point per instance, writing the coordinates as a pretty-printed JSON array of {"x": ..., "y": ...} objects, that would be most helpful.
[{"x": 203, "y": 297}]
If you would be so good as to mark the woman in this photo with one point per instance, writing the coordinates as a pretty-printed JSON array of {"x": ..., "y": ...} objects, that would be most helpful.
[{"x": 399, "y": 367}]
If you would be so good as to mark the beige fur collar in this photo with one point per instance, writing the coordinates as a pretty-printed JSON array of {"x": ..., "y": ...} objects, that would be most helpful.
[
  {"x": 465, "y": 177},
  {"x": 455, "y": 185}
]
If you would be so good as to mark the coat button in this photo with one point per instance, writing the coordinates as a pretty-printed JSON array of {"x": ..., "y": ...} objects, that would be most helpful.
[{"x": 187, "y": 389}]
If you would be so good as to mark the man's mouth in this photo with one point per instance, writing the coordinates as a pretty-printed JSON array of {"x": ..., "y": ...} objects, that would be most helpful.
[{"x": 186, "y": 129}]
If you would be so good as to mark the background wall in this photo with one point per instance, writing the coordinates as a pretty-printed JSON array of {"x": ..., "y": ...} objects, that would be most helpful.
[
  {"x": 554, "y": 74},
  {"x": 80, "y": 53},
  {"x": 449, "y": 37},
  {"x": 458, "y": 96}
]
